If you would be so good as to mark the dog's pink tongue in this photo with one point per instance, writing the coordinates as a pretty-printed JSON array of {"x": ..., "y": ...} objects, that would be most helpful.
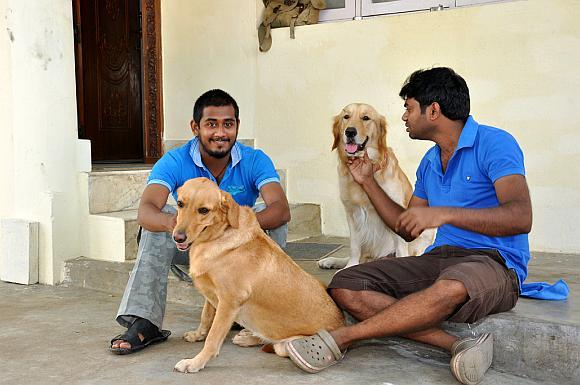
[{"x": 351, "y": 148}]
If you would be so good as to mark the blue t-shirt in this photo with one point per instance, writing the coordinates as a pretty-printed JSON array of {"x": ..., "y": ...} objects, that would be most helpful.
[
  {"x": 247, "y": 172},
  {"x": 483, "y": 155}
]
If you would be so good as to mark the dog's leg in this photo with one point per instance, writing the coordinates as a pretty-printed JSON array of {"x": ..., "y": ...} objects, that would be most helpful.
[
  {"x": 246, "y": 338},
  {"x": 355, "y": 250},
  {"x": 342, "y": 262},
  {"x": 355, "y": 219},
  {"x": 224, "y": 318},
  {"x": 207, "y": 316}
]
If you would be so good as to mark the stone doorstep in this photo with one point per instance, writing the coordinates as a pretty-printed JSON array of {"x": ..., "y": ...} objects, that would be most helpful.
[
  {"x": 305, "y": 223},
  {"x": 525, "y": 344}
]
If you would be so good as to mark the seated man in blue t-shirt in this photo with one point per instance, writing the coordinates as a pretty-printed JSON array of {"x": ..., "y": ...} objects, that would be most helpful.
[
  {"x": 214, "y": 153},
  {"x": 471, "y": 186}
]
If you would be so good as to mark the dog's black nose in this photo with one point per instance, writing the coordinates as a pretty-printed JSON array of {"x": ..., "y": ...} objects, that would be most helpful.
[
  {"x": 179, "y": 237},
  {"x": 350, "y": 132}
]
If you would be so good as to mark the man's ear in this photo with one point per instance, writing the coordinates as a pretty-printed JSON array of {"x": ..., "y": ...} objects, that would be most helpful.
[
  {"x": 434, "y": 111},
  {"x": 194, "y": 127},
  {"x": 232, "y": 210}
]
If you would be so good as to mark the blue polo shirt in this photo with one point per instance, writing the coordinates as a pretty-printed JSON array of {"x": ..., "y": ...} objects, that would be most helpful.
[
  {"x": 483, "y": 155},
  {"x": 247, "y": 172}
]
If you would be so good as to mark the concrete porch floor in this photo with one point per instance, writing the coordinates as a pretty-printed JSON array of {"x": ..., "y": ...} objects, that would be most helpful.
[{"x": 60, "y": 335}]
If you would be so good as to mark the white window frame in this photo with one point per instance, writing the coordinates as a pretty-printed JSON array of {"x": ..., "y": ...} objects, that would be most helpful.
[
  {"x": 464, "y": 3},
  {"x": 346, "y": 13},
  {"x": 358, "y": 9},
  {"x": 399, "y": 6}
]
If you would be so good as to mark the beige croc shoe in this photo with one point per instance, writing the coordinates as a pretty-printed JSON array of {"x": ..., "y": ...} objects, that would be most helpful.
[
  {"x": 315, "y": 353},
  {"x": 471, "y": 357}
]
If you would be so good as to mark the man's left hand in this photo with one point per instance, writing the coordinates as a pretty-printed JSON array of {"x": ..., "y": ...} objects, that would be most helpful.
[{"x": 416, "y": 219}]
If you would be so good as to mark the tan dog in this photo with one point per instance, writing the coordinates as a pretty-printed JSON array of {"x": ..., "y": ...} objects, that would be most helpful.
[
  {"x": 359, "y": 127},
  {"x": 244, "y": 277}
]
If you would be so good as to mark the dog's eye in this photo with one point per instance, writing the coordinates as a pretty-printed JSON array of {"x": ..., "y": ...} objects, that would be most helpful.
[
  {"x": 179, "y": 204},
  {"x": 366, "y": 118},
  {"x": 346, "y": 117},
  {"x": 203, "y": 210}
]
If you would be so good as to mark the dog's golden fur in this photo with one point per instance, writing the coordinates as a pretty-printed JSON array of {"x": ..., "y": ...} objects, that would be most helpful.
[
  {"x": 244, "y": 277},
  {"x": 370, "y": 238}
]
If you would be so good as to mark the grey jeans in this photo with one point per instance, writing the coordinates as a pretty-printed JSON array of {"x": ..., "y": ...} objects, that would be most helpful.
[{"x": 146, "y": 291}]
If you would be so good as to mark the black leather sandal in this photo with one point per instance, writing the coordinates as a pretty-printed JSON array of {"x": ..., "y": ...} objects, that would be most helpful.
[{"x": 141, "y": 326}]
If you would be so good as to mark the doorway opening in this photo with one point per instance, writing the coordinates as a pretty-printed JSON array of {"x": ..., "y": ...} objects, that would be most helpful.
[{"x": 118, "y": 77}]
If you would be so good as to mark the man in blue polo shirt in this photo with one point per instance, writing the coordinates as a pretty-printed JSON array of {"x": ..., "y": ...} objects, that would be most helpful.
[
  {"x": 213, "y": 153},
  {"x": 471, "y": 186}
]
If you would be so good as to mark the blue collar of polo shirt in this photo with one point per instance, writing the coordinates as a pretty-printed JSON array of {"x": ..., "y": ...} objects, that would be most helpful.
[
  {"x": 466, "y": 139},
  {"x": 196, "y": 155},
  {"x": 468, "y": 134}
]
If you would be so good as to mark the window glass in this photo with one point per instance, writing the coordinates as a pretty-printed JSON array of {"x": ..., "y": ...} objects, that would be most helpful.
[{"x": 335, "y": 4}]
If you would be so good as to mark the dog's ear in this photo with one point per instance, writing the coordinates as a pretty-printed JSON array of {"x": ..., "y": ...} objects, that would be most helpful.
[
  {"x": 382, "y": 140},
  {"x": 336, "y": 130},
  {"x": 232, "y": 209}
]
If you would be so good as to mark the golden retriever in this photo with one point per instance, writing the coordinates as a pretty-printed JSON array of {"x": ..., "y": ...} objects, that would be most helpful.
[
  {"x": 359, "y": 127},
  {"x": 244, "y": 276}
]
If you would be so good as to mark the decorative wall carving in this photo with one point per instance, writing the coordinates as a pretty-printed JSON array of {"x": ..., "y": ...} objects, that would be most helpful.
[{"x": 153, "y": 114}]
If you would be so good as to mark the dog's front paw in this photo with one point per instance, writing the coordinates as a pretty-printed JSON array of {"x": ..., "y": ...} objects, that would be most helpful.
[
  {"x": 194, "y": 335},
  {"x": 191, "y": 365},
  {"x": 332, "y": 263}
]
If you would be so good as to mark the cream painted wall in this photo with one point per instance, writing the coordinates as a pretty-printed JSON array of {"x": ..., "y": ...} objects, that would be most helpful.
[
  {"x": 6, "y": 144},
  {"x": 41, "y": 155},
  {"x": 519, "y": 58},
  {"x": 207, "y": 46}
]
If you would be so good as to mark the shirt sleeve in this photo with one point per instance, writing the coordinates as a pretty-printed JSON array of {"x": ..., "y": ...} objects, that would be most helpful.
[
  {"x": 263, "y": 170},
  {"x": 165, "y": 171},
  {"x": 502, "y": 156}
]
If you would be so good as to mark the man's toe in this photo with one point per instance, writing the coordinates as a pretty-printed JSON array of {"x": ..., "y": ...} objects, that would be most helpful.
[{"x": 124, "y": 345}]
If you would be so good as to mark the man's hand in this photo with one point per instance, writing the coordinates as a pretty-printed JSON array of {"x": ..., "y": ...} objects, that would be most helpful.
[
  {"x": 171, "y": 222},
  {"x": 362, "y": 169},
  {"x": 416, "y": 219},
  {"x": 150, "y": 215}
]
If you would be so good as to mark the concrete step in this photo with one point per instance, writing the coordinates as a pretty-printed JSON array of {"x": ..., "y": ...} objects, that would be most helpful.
[
  {"x": 538, "y": 339},
  {"x": 119, "y": 189},
  {"x": 113, "y": 234}
]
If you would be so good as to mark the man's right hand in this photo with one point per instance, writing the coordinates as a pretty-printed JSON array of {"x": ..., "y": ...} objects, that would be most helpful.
[
  {"x": 362, "y": 169},
  {"x": 150, "y": 215},
  {"x": 171, "y": 222}
]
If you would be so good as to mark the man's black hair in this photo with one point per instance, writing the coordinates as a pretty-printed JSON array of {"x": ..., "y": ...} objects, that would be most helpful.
[
  {"x": 441, "y": 85},
  {"x": 215, "y": 98}
]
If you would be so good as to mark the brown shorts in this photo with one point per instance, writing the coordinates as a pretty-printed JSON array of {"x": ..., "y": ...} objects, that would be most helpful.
[{"x": 492, "y": 287}]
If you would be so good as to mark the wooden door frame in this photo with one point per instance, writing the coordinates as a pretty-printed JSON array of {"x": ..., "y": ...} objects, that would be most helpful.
[
  {"x": 152, "y": 90},
  {"x": 151, "y": 73}
]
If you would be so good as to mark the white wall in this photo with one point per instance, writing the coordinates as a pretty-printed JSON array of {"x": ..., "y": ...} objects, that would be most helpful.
[
  {"x": 40, "y": 150},
  {"x": 207, "y": 45},
  {"x": 519, "y": 58}
]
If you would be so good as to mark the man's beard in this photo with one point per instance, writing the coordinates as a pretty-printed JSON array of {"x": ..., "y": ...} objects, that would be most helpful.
[{"x": 216, "y": 154}]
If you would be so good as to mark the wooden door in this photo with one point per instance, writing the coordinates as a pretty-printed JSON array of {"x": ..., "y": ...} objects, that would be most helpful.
[{"x": 109, "y": 82}]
